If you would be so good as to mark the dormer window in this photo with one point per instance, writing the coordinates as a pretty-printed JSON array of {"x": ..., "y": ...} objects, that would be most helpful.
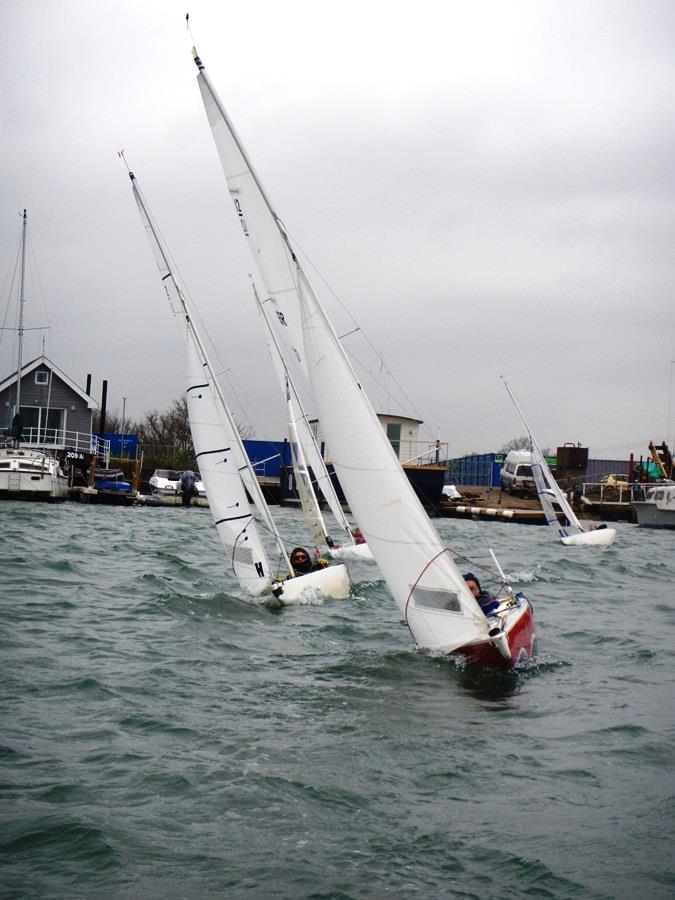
[{"x": 42, "y": 377}]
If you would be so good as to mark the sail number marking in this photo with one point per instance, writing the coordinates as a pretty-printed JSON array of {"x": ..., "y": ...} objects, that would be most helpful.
[{"x": 240, "y": 213}]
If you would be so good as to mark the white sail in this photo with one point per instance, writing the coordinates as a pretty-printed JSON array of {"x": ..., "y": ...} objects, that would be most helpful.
[
  {"x": 262, "y": 228},
  {"x": 548, "y": 490},
  {"x": 303, "y": 482},
  {"x": 219, "y": 463},
  {"x": 424, "y": 580},
  {"x": 226, "y": 469},
  {"x": 224, "y": 465},
  {"x": 277, "y": 267},
  {"x": 312, "y": 476}
]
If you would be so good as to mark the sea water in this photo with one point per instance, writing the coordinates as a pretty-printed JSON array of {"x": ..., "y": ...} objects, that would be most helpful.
[{"x": 163, "y": 736}]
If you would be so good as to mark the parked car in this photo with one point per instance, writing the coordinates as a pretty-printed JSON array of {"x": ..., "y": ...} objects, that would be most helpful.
[
  {"x": 516, "y": 473},
  {"x": 165, "y": 481}
]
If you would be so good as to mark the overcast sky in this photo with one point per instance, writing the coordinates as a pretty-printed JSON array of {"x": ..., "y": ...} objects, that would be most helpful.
[{"x": 486, "y": 186}]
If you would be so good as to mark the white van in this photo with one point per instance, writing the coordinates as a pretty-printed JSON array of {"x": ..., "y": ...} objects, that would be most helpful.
[{"x": 516, "y": 473}]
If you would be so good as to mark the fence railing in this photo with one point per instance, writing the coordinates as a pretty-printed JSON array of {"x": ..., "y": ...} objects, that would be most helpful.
[
  {"x": 618, "y": 493},
  {"x": 60, "y": 439},
  {"x": 422, "y": 453}
]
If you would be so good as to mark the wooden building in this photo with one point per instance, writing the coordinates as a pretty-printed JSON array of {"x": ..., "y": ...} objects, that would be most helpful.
[{"x": 55, "y": 412}]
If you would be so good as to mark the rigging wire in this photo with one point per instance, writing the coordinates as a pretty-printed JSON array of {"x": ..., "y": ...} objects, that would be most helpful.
[{"x": 357, "y": 328}]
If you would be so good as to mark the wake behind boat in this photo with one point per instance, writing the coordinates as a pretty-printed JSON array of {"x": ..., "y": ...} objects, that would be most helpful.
[{"x": 431, "y": 593}]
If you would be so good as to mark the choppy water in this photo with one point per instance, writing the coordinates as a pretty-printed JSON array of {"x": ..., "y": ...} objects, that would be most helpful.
[{"x": 162, "y": 738}]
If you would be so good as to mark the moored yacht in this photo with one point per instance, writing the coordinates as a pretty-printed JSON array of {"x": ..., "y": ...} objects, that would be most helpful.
[
  {"x": 657, "y": 510},
  {"x": 31, "y": 474}
]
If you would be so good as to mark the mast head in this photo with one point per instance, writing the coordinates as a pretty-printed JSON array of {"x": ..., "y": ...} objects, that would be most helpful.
[{"x": 198, "y": 62}]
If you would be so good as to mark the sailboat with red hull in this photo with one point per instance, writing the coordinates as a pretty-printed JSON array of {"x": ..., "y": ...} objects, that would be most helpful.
[{"x": 442, "y": 614}]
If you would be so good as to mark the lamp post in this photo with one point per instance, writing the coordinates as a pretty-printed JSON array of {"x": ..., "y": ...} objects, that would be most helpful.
[
  {"x": 124, "y": 409},
  {"x": 670, "y": 399}
]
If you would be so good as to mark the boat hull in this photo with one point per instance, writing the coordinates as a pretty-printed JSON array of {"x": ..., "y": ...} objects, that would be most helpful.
[
  {"x": 649, "y": 515},
  {"x": 331, "y": 583},
  {"x": 518, "y": 635},
  {"x": 600, "y": 537}
]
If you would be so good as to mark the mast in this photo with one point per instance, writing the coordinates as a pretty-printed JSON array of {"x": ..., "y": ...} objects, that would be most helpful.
[{"x": 22, "y": 300}]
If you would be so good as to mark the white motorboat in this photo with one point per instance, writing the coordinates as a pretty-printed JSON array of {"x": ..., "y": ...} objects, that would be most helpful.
[{"x": 657, "y": 510}]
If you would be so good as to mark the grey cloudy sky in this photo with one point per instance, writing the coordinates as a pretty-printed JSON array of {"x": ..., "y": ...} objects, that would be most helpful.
[{"x": 488, "y": 188}]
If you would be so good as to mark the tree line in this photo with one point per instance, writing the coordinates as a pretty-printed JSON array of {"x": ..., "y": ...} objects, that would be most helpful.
[{"x": 164, "y": 432}]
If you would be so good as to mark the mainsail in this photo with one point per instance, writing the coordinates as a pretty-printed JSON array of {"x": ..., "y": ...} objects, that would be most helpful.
[
  {"x": 264, "y": 232},
  {"x": 422, "y": 576},
  {"x": 425, "y": 582},
  {"x": 223, "y": 462}
]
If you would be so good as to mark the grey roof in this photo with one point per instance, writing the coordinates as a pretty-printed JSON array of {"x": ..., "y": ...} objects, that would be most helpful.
[{"x": 28, "y": 367}]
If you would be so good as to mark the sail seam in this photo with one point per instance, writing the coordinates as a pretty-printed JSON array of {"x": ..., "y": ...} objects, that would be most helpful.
[{"x": 208, "y": 452}]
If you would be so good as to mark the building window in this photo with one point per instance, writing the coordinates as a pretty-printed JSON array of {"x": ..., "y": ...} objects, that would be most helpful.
[
  {"x": 43, "y": 426},
  {"x": 394, "y": 435},
  {"x": 42, "y": 377}
]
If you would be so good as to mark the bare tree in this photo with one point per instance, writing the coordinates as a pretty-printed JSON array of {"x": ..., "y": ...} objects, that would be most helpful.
[{"x": 519, "y": 443}]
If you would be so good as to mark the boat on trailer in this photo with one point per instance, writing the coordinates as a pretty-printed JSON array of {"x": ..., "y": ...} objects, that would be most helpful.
[{"x": 429, "y": 590}]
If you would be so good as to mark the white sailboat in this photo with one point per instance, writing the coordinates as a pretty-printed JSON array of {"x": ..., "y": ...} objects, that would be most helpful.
[
  {"x": 27, "y": 472},
  {"x": 225, "y": 468},
  {"x": 311, "y": 474},
  {"x": 274, "y": 260},
  {"x": 430, "y": 592},
  {"x": 548, "y": 490}
]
